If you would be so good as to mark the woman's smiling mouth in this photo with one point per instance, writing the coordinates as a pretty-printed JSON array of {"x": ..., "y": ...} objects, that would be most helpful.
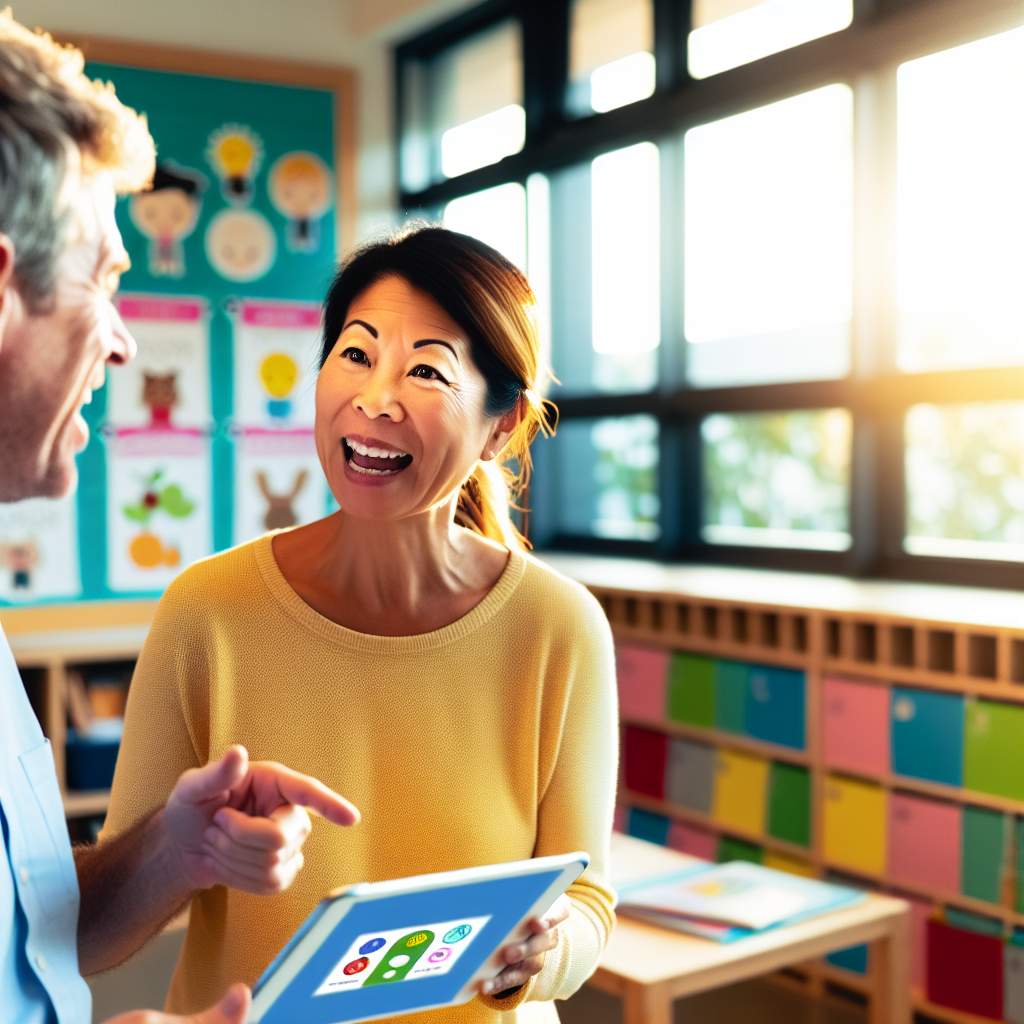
[{"x": 369, "y": 457}]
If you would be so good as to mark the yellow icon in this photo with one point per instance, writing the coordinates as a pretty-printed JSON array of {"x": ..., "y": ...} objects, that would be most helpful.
[
  {"x": 417, "y": 940},
  {"x": 278, "y": 374},
  {"x": 236, "y": 153}
]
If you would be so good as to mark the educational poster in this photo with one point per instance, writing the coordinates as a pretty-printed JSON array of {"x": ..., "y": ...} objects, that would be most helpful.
[
  {"x": 158, "y": 507},
  {"x": 278, "y": 483},
  {"x": 38, "y": 550},
  {"x": 167, "y": 386},
  {"x": 275, "y": 350}
]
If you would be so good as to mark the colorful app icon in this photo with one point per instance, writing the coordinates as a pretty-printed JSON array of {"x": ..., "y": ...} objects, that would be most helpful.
[
  {"x": 458, "y": 933},
  {"x": 439, "y": 955},
  {"x": 357, "y": 966},
  {"x": 371, "y": 947},
  {"x": 401, "y": 958}
]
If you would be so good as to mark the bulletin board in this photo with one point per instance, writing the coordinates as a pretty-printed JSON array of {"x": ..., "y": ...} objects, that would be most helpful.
[{"x": 204, "y": 440}]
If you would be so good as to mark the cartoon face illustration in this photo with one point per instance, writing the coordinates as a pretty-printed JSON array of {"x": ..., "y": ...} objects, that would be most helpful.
[
  {"x": 240, "y": 245},
  {"x": 167, "y": 214},
  {"x": 160, "y": 396},
  {"x": 278, "y": 374},
  {"x": 300, "y": 187}
]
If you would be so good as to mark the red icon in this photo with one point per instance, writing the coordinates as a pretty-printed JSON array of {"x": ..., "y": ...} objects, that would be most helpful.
[{"x": 357, "y": 965}]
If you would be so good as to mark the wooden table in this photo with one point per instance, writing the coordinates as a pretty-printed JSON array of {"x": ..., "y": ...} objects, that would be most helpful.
[{"x": 650, "y": 967}]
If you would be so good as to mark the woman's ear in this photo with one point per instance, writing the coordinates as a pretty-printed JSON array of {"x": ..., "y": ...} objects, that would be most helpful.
[
  {"x": 6, "y": 280},
  {"x": 503, "y": 430}
]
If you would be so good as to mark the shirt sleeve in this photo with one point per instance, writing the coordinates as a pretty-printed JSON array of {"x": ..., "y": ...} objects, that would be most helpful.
[
  {"x": 161, "y": 736},
  {"x": 577, "y": 806}
]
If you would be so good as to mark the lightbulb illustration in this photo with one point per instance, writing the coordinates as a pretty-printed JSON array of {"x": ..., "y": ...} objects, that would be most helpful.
[{"x": 236, "y": 154}]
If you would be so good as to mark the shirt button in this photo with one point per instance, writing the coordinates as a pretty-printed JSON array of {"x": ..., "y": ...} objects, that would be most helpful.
[
  {"x": 23, "y": 874},
  {"x": 41, "y": 962}
]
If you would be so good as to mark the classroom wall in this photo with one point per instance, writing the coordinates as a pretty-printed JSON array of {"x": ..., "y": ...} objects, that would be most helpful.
[{"x": 355, "y": 33}]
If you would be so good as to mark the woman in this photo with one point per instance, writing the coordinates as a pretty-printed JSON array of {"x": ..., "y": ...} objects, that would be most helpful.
[{"x": 405, "y": 650}]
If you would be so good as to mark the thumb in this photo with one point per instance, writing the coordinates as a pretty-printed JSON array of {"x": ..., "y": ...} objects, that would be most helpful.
[
  {"x": 201, "y": 784},
  {"x": 232, "y": 1008}
]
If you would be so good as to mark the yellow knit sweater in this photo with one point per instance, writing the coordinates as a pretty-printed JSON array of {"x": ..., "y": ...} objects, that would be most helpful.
[{"x": 491, "y": 739}]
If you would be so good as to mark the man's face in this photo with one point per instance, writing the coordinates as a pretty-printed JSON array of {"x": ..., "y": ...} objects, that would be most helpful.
[{"x": 54, "y": 358}]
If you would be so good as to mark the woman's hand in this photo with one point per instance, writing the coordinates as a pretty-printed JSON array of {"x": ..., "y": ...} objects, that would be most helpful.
[
  {"x": 525, "y": 958},
  {"x": 242, "y": 824}
]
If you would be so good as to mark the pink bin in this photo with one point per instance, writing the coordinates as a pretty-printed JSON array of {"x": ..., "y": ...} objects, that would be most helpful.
[
  {"x": 924, "y": 842},
  {"x": 642, "y": 672},
  {"x": 855, "y": 726}
]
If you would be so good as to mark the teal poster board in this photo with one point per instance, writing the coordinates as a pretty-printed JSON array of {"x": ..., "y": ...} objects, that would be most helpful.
[{"x": 205, "y": 438}]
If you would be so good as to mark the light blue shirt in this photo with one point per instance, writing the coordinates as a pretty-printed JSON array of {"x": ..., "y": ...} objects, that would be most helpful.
[{"x": 39, "y": 978}]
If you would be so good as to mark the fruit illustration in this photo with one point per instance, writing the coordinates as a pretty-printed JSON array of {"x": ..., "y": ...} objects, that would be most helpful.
[{"x": 146, "y": 549}]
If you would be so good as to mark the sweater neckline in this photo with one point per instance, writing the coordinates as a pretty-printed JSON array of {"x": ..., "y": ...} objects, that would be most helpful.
[{"x": 372, "y": 643}]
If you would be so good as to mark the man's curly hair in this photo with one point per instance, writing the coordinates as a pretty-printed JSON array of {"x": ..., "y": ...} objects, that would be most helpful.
[{"x": 49, "y": 110}]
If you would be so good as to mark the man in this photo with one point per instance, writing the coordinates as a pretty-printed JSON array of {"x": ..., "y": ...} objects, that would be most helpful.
[{"x": 66, "y": 147}]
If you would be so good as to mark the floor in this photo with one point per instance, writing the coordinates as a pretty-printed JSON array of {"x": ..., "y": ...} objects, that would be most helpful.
[{"x": 142, "y": 982}]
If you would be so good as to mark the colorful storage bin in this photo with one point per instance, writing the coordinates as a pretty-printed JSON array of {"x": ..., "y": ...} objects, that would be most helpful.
[
  {"x": 776, "y": 703},
  {"x": 928, "y": 735},
  {"x": 691, "y": 690},
  {"x": 642, "y": 674},
  {"x": 855, "y": 726}
]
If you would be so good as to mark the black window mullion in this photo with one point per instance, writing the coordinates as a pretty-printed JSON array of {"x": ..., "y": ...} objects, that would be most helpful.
[
  {"x": 672, "y": 20},
  {"x": 545, "y": 26}
]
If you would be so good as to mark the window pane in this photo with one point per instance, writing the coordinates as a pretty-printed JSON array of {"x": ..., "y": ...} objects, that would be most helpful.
[
  {"x": 769, "y": 242},
  {"x": 965, "y": 480},
  {"x": 728, "y": 33},
  {"x": 610, "y": 58},
  {"x": 625, "y": 310},
  {"x": 607, "y": 478},
  {"x": 778, "y": 479},
  {"x": 961, "y": 206},
  {"x": 477, "y": 97},
  {"x": 496, "y": 216}
]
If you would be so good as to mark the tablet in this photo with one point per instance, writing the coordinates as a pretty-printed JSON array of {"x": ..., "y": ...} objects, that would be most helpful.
[{"x": 379, "y": 949}]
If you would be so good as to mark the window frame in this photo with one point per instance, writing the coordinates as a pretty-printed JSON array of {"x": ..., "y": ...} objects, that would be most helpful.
[{"x": 882, "y": 35}]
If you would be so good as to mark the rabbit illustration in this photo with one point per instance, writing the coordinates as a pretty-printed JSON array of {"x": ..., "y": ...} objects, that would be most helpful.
[{"x": 280, "y": 513}]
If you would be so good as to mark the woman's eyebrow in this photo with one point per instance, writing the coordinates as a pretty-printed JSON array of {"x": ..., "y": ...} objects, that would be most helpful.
[
  {"x": 362, "y": 323},
  {"x": 436, "y": 341}
]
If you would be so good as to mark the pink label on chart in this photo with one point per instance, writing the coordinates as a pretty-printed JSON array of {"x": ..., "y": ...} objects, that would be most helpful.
[
  {"x": 130, "y": 441},
  {"x": 277, "y": 442},
  {"x": 151, "y": 307},
  {"x": 280, "y": 314}
]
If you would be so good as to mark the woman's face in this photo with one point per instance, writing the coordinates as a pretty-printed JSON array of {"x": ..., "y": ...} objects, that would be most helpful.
[{"x": 400, "y": 419}]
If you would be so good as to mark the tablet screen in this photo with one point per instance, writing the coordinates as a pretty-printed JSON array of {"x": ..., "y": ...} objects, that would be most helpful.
[{"x": 403, "y": 954}]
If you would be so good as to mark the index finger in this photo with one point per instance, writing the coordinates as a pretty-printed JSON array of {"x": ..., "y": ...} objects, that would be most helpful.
[
  {"x": 554, "y": 917},
  {"x": 312, "y": 794}
]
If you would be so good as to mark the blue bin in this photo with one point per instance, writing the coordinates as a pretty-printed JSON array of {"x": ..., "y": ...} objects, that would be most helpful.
[
  {"x": 776, "y": 706},
  {"x": 646, "y": 825},
  {"x": 927, "y": 735}
]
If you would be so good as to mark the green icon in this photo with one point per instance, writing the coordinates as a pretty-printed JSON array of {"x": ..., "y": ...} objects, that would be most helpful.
[{"x": 401, "y": 958}]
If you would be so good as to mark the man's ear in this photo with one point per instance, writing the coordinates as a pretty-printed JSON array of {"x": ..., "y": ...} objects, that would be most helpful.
[{"x": 6, "y": 280}]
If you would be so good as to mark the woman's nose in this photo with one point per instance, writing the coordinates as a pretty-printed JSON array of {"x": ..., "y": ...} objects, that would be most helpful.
[{"x": 378, "y": 399}]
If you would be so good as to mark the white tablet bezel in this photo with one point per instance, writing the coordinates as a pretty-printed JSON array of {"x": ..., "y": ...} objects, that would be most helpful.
[{"x": 337, "y": 905}]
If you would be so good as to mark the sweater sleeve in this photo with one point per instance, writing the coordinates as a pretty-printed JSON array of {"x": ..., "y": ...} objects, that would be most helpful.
[
  {"x": 160, "y": 740},
  {"x": 577, "y": 806}
]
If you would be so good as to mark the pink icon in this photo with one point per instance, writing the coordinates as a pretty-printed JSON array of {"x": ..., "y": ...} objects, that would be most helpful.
[{"x": 439, "y": 955}]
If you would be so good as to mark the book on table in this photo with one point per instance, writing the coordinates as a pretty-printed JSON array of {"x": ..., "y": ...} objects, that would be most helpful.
[{"x": 728, "y": 901}]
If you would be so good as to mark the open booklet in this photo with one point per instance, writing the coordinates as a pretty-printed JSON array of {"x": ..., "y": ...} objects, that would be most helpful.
[{"x": 725, "y": 902}]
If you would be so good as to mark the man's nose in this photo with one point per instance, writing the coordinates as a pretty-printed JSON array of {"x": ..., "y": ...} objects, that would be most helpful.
[{"x": 123, "y": 347}]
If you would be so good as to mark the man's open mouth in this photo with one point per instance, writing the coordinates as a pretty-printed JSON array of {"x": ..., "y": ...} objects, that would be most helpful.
[{"x": 372, "y": 460}]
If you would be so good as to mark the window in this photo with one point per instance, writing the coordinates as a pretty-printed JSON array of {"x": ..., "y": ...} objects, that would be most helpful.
[
  {"x": 606, "y": 478},
  {"x": 728, "y": 33},
  {"x": 965, "y": 480},
  {"x": 778, "y": 479},
  {"x": 778, "y": 251},
  {"x": 610, "y": 58},
  {"x": 961, "y": 206},
  {"x": 768, "y": 228}
]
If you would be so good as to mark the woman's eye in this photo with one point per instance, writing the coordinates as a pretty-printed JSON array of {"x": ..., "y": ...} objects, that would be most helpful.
[
  {"x": 355, "y": 355},
  {"x": 427, "y": 373}
]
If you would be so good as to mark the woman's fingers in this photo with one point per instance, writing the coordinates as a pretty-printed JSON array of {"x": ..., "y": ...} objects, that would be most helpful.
[
  {"x": 513, "y": 977},
  {"x": 532, "y": 947}
]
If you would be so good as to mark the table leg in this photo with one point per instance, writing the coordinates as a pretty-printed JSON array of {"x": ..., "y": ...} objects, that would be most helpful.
[
  {"x": 890, "y": 1000},
  {"x": 646, "y": 1004}
]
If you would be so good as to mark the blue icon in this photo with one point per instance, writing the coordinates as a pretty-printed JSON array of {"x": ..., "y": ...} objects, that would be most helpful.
[
  {"x": 371, "y": 947},
  {"x": 458, "y": 934}
]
